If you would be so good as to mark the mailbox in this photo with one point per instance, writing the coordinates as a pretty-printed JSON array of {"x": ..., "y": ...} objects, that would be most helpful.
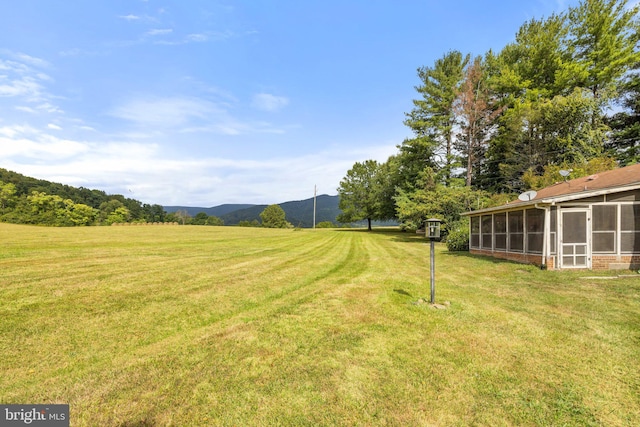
[{"x": 433, "y": 228}]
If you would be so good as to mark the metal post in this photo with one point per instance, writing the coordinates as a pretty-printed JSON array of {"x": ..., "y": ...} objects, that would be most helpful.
[{"x": 433, "y": 274}]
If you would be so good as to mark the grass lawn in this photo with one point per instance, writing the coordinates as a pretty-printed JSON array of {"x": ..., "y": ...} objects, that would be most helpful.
[{"x": 186, "y": 325}]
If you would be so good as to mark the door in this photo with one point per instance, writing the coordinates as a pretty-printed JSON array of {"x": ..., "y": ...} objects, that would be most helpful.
[{"x": 574, "y": 238}]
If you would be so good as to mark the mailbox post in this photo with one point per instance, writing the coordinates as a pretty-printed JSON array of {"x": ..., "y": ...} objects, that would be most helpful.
[{"x": 433, "y": 233}]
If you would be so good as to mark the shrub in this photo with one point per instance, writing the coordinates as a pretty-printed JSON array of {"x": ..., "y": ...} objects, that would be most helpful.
[
  {"x": 325, "y": 224},
  {"x": 458, "y": 238}
]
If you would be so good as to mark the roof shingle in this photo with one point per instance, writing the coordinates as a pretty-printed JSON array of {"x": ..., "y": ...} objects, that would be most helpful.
[{"x": 614, "y": 178}]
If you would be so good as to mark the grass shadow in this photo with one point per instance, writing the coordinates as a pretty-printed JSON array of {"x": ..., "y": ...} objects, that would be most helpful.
[
  {"x": 397, "y": 234},
  {"x": 402, "y": 292}
]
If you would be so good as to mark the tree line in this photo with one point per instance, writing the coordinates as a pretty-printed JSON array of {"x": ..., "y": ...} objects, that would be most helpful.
[
  {"x": 565, "y": 94},
  {"x": 26, "y": 200},
  {"x": 272, "y": 216}
]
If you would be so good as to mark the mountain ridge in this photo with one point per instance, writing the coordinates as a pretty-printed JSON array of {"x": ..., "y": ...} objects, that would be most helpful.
[
  {"x": 297, "y": 212},
  {"x": 218, "y": 210}
]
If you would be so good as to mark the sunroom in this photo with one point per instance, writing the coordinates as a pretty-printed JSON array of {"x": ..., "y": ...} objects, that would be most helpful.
[{"x": 590, "y": 223}]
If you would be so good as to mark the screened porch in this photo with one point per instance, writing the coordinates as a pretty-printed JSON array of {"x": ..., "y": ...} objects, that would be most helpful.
[{"x": 574, "y": 235}]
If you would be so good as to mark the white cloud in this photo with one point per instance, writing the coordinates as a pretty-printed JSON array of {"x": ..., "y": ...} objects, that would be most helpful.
[
  {"x": 25, "y": 109},
  {"x": 129, "y": 17},
  {"x": 231, "y": 126},
  {"x": 191, "y": 38},
  {"x": 49, "y": 108},
  {"x": 165, "y": 112},
  {"x": 27, "y": 142},
  {"x": 159, "y": 32},
  {"x": 268, "y": 102},
  {"x": 187, "y": 115},
  {"x": 11, "y": 131},
  {"x": 24, "y": 58},
  {"x": 71, "y": 52},
  {"x": 197, "y": 37},
  {"x": 219, "y": 93},
  {"x": 14, "y": 67},
  {"x": 26, "y": 84},
  {"x": 54, "y": 126},
  {"x": 78, "y": 52}
]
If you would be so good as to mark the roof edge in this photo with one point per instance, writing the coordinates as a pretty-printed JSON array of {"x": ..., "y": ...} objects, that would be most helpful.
[{"x": 557, "y": 199}]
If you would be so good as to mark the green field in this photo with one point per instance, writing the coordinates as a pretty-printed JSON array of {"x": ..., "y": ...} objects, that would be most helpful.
[{"x": 185, "y": 325}]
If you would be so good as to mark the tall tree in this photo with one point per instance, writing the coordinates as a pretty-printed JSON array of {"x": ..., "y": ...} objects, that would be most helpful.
[
  {"x": 477, "y": 112},
  {"x": 523, "y": 77},
  {"x": 568, "y": 128},
  {"x": 624, "y": 144},
  {"x": 387, "y": 180},
  {"x": 433, "y": 117},
  {"x": 7, "y": 195},
  {"x": 359, "y": 194},
  {"x": 415, "y": 155},
  {"x": 603, "y": 42},
  {"x": 533, "y": 61}
]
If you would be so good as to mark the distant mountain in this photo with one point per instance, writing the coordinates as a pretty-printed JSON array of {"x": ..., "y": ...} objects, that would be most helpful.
[
  {"x": 218, "y": 211},
  {"x": 299, "y": 213},
  {"x": 247, "y": 214}
]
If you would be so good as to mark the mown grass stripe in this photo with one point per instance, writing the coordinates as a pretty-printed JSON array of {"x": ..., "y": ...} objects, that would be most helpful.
[{"x": 230, "y": 326}]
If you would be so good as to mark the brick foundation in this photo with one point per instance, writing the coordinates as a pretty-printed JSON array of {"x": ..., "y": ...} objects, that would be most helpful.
[
  {"x": 598, "y": 262},
  {"x": 614, "y": 262},
  {"x": 535, "y": 259}
]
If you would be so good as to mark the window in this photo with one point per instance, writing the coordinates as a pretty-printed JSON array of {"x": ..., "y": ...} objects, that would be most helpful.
[
  {"x": 474, "y": 242},
  {"x": 500, "y": 231},
  {"x": 486, "y": 232},
  {"x": 604, "y": 224},
  {"x": 574, "y": 227},
  {"x": 630, "y": 228},
  {"x": 516, "y": 231},
  {"x": 535, "y": 230}
]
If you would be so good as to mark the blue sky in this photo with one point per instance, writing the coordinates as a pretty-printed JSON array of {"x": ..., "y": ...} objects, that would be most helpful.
[{"x": 205, "y": 102}]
